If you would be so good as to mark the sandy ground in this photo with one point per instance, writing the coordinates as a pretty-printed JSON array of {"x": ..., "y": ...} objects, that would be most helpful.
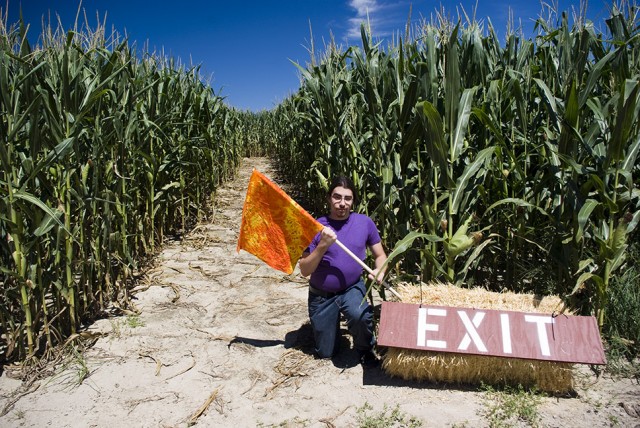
[{"x": 221, "y": 339}]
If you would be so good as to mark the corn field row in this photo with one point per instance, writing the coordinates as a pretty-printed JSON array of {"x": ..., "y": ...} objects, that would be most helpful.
[
  {"x": 104, "y": 152},
  {"x": 508, "y": 164}
]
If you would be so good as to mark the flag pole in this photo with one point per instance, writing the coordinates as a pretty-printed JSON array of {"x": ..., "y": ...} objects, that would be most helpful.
[{"x": 367, "y": 268}]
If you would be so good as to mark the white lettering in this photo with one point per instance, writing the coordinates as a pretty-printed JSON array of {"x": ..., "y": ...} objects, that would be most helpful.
[
  {"x": 543, "y": 339},
  {"x": 423, "y": 327},
  {"x": 472, "y": 333},
  {"x": 506, "y": 333}
]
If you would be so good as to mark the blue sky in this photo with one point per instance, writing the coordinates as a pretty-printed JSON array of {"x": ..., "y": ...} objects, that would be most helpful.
[{"x": 245, "y": 48}]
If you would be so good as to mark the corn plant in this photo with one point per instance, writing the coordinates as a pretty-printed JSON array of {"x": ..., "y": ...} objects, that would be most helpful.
[
  {"x": 516, "y": 159},
  {"x": 103, "y": 154}
]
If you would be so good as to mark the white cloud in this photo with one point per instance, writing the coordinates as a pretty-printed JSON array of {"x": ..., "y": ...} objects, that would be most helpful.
[
  {"x": 365, "y": 13},
  {"x": 383, "y": 17},
  {"x": 364, "y": 7}
]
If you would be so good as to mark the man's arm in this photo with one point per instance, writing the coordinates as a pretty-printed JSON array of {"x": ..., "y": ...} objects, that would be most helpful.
[
  {"x": 309, "y": 261},
  {"x": 379, "y": 257}
]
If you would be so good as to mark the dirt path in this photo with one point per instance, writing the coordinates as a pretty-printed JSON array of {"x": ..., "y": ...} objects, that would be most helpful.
[{"x": 222, "y": 340}]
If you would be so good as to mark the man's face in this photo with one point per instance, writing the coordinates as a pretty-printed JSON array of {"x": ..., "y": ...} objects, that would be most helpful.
[{"x": 341, "y": 201}]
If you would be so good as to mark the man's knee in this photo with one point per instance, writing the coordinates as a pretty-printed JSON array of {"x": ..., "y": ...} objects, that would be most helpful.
[
  {"x": 323, "y": 353},
  {"x": 358, "y": 313}
]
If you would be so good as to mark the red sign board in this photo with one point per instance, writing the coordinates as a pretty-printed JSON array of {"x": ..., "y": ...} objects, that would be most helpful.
[{"x": 535, "y": 336}]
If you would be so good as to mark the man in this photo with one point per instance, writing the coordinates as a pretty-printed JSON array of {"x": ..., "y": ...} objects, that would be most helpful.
[{"x": 335, "y": 284}]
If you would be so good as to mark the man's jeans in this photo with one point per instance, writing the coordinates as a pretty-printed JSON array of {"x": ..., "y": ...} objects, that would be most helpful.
[{"x": 324, "y": 314}]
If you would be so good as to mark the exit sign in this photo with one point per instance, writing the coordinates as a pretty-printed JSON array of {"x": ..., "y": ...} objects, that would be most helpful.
[{"x": 560, "y": 338}]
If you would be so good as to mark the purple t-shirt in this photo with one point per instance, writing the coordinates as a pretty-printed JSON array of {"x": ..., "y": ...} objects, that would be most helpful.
[{"x": 337, "y": 270}]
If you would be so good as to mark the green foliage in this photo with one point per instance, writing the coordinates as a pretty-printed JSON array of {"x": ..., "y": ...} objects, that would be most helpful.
[
  {"x": 104, "y": 151},
  {"x": 72, "y": 370},
  {"x": 386, "y": 418},
  {"x": 622, "y": 327},
  {"x": 514, "y": 162},
  {"x": 518, "y": 158},
  {"x": 511, "y": 406},
  {"x": 296, "y": 422},
  {"x": 134, "y": 321}
]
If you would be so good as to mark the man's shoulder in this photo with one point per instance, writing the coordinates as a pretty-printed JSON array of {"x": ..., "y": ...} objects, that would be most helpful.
[
  {"x": 361, "y": 217},
  {"x": 323, "y": 220}
]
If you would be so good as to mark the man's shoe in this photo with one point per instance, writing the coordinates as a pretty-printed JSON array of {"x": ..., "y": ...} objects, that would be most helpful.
[{"x": 369, "y": 359}]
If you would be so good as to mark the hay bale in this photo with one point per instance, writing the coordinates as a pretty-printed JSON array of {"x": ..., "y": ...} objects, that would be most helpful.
[
  {"x": 449, "y": 295},
  {"x": 548, "y": 376}
]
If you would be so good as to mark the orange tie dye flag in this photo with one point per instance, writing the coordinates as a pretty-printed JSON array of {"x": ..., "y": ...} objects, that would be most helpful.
[{"x": 274, "y": 227}]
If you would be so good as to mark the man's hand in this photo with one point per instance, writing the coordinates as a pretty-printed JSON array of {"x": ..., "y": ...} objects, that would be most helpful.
[
  {"x": 377, "y": 276},
  {"x": 327, "y": 237},
  {"x": 309, "y": 262}
]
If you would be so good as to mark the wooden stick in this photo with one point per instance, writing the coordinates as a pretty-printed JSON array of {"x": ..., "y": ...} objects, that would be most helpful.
[{"x": 367, "y": 268}]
